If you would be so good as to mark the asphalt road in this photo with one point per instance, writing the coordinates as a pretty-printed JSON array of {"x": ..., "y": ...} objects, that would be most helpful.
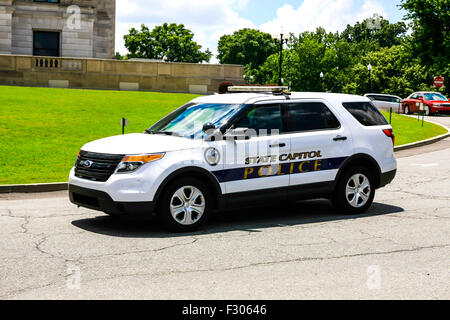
[{"x": 399, "y": 250}]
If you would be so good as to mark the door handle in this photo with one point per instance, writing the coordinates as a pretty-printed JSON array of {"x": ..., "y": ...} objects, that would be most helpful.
[
  {"x": 278, "y": 145},
  {"x": 340, "y": 138}
]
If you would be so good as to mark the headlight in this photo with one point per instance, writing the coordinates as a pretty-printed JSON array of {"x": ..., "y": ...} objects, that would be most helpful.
[{"x": 133, "y": 163}]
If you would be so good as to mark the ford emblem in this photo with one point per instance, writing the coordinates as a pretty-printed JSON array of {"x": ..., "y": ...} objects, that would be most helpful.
[{"x": 86, "y": 164}]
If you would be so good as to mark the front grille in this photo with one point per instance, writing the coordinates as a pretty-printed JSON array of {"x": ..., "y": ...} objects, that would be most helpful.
[{"x": 100, "y": 166}]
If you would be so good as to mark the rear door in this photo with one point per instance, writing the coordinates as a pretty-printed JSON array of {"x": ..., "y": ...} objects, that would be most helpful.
[{"x": 320, "y": 142}]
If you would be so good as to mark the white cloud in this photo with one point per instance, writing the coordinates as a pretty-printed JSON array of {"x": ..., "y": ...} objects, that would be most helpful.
[
  {"x": 207, "y": 19},
  {"x": 333, "y": 15},
  {"x": 210, "y": 19}
]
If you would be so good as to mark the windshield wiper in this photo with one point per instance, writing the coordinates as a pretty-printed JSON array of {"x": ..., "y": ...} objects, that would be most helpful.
[{"x": 167, "y": 133}]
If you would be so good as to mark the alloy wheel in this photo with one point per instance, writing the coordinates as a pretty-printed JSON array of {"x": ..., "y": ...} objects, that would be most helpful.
[
  {"x": 358, "y": 190},
  {"x": 187, "y": 205}
]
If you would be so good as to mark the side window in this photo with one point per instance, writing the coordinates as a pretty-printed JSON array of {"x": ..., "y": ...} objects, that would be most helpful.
[
  {"x": 365, "y": 113},
  {"x": 386, "y": 98},
  {"x": 263, "y": 120},
  {"x": 414, "y": 96},
  {"x": 310, "y": 116}
]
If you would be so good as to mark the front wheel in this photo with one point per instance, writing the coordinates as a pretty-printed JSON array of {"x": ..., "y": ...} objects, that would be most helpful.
[
  {"x": 428, "y": 111},
  {"x": 184, "y": 205},
  {"x": 355, "y": 191},
  {"x": 407, "y": 110}
]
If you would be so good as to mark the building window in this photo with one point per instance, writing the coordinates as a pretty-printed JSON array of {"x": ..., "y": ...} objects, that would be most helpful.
[{"x": 46, "y": 43}]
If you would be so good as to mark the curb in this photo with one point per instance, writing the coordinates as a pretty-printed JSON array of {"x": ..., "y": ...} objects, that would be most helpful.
[
  {"x": 62, "y": 186},
  {"x": 34, "y": 188}
]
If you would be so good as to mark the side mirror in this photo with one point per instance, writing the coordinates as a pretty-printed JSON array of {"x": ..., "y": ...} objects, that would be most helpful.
[
  {"x": 420, "y": 98},
  {"x": 208, "y": 127},
  {"x": 238, "y": 134}
]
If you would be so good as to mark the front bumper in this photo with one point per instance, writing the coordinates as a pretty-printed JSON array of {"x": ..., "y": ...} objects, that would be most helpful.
[
  {"x": 440, "y": 110},
  {"x": 101, "y": 201}
]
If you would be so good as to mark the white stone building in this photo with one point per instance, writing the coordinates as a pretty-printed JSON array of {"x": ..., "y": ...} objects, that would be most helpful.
[{"x": 61, "y": 28}]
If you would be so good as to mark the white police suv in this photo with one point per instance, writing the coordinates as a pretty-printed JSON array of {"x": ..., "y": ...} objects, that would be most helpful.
[{"x": 240, "y": 149}]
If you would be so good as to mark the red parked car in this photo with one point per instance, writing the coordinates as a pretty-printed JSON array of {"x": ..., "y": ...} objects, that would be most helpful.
[{"x": 433, "y": 102}]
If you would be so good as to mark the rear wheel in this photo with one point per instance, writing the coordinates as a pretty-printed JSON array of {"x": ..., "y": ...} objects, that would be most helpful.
[
  {"x": 184, "y": 205},
  {"x": 355, "y": 191}
]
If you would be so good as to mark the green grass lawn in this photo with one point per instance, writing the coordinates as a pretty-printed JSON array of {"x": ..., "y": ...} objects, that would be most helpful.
[
  {"x": 408, "y": 130},
  {"x": 43, "y": 129}
]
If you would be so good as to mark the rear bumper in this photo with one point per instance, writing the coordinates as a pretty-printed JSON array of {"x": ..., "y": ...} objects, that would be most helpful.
[
  {"x": 387, "y": 178},
  {"x": 101, "y": 201}
]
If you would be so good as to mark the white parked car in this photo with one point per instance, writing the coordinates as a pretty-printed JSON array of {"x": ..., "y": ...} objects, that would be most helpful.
[
  {"x": 386, "y": 102},
  {"x": 228, "y": 150}
]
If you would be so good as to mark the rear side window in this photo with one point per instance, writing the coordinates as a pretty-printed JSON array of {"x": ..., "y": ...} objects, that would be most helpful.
[
  {"x": 385, "y": 98},
  {"x": 310, "y": 116},
  {"x": 365, "y": 113}
]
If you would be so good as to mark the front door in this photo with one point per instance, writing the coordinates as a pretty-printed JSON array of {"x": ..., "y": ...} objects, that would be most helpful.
[{"x": 254, "y": 164}]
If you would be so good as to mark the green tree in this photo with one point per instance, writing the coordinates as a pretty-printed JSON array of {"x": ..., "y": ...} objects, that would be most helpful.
[
  {"x": 430, "y": 40},
  {"x": 170, "y": 41},
  {"x": 248, "y": 47},
  {"x": 372, "y": 35}
]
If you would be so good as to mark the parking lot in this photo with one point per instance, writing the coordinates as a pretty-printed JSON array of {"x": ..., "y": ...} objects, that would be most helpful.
[{"x": 398, "y": 250}]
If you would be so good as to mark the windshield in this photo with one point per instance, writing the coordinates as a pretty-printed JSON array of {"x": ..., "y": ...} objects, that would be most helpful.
[
  {"x": 188, "y": 121},
  {"x": 435, "y": 97}
]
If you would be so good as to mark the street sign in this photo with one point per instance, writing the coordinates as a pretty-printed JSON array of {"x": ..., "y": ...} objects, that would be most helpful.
[
  {"x": 438, "y": 82},
  {"x": 124, "y": 123}
]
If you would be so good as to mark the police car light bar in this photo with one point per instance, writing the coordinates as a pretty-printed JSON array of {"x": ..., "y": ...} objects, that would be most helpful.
[{"x": 256, "y": 89}]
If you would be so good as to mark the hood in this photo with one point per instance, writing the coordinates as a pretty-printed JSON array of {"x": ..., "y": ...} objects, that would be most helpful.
[
  {"x": 140, "y": 143},
  {"x": 440, "y": 102}
]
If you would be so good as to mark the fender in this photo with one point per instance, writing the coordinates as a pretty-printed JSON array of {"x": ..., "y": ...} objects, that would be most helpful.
[
  {"x": 360, "y": 156},
  {"x": 196, "y": 171}
]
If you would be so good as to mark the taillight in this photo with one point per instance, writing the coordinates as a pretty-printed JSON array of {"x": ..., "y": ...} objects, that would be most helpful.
[{"x": 390, "y": 134}]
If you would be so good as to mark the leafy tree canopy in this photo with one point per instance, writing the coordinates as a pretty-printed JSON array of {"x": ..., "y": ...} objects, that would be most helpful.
[
  {"x": 248, "y": 47},
  {"x": 375, "y": 33},
  {"x": 430, "y": 40},
  {"x": 170, "y": 41}
]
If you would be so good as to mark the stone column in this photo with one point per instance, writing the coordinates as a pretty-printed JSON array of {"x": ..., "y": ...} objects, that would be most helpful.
[
  {"x": 104, "y": 29},
  {"x": 6, "y": 12}
]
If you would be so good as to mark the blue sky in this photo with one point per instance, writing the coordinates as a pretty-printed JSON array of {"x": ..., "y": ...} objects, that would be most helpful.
[
  {"x": 266, "y": 9},
  {"x": 210, "y": 19}
]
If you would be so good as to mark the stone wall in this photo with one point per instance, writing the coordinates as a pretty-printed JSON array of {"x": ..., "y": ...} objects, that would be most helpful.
[
  {"x": 94, "y": 37},
  {"x": 116, "y": 74}
]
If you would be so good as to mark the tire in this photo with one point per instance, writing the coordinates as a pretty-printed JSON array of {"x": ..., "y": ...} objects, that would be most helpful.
[
  {"x": 362, "y": 198},
  {"x": 407, "y": 111},
  {"x": 428, "y": 111},
  {"x": 184, "y": 205}
]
